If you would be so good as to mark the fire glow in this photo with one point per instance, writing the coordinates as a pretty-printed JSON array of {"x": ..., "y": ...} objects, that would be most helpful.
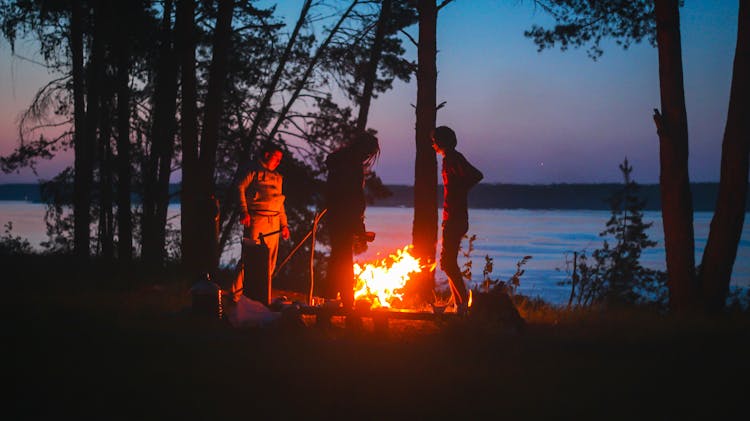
[{"x": 382, "y": 282}]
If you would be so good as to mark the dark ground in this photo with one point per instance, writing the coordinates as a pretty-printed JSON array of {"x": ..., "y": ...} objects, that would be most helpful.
[{"x": 132, "y": 352}]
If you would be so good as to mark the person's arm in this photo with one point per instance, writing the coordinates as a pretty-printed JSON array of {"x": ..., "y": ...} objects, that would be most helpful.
[
  {"x": 361, "y": 202},
  {"x": 284, "y": 224},
  {"x": 473, "y": 175},
  {"x": 468, "y": 173},
  {"x": 241, "y": 190}
]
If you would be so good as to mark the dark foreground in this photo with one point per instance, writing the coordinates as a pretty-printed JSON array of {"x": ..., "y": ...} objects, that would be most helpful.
[{"x": 133, "y": 353}]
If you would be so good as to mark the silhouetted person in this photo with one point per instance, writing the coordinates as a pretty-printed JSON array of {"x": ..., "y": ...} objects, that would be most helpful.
[
  {"x": 345, "y": 200},
  {"x": 459, "y": 176},
  {"x": 261, "y": 212}
]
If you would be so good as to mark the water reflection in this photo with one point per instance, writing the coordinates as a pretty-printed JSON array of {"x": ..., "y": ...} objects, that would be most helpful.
[{"x": 504, "y": 235}]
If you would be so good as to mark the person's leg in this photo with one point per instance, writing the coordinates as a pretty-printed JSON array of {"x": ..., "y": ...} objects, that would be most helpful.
[
  {"x": 336, "y": 268},
  {"x": 236, "y": 287},
  {"x": 266, "y": 225},
  {"x": 272, "y": 242},
  {"x": 248, "y": 233},
  {"x": 346, "y": 276},
  {"x": 452, "y": 235},
  {"x": 341, "y": 267},
  {"x": 328, "y": 287},
  {"x": 256, "y": 280}
]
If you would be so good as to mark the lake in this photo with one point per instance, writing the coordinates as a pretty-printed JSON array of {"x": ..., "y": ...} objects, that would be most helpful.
[{"x": 549, "y": 236}]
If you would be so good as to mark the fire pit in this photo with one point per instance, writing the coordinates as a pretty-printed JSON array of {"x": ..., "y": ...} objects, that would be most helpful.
[
  {"x": 382, "y": 283},
  {"x": 380, "y": 288}
]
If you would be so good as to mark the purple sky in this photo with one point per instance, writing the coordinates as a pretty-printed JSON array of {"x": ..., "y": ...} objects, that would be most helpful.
[{"x": 520, "y": 116}]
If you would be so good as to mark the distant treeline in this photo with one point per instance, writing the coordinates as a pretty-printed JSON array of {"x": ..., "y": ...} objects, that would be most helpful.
[
  {"x": 488, "y": 196},
  {"x": 32, "y": 193},
  {"x": 557, "y": 196}
]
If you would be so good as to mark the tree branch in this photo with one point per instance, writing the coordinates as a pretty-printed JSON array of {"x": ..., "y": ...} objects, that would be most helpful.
[
  {"x": 411, "y": 38},
  {"x": 443, "y": 4}
]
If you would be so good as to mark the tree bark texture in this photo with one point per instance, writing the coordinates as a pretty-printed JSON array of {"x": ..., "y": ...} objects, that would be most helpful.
[
  {"x": 424, "y": 229},
  {"x": 677, "y": 208},
  {"x": 729, "y": 214}
]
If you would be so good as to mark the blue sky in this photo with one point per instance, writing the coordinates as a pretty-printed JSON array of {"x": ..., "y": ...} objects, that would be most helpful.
[{"x": 521, "y": 116}]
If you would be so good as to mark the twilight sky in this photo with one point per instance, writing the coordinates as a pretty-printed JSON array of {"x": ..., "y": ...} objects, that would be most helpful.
[{"x": 520, "y": 116}]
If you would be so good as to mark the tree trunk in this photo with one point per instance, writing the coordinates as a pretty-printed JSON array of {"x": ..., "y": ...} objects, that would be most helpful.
[
  {"x": 166, "y": 144},
  {"x": 104, "y": 147},
  {"x": 677, "y": 206},
  {"x": 210, "y": 136},
  {"x": 106, "y": 229},
  {"x": 185, "y": 28},
  {"x": 95, "y": 81},
  {"x": 124, "y": 217},
  {"x": 372, "y": 67},
  {"x": 729, "y": 215},
  {"x": 82, "y": 163},
  {"x": 162, "y": 140},
  {"x": 424, "y": 230}
]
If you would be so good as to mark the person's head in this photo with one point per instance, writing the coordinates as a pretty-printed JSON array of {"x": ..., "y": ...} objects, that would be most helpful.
[
  {"x": 366, "y": 148},
  {"x": 443, "y": 139},
  {"x": 271, "y": 155}
]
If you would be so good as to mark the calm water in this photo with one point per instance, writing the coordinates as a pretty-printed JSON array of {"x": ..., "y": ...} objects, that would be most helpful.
[{"x": 504, "y": 235}]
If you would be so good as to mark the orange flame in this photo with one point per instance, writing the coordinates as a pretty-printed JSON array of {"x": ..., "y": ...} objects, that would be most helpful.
[{"x": 382, "y": 282}]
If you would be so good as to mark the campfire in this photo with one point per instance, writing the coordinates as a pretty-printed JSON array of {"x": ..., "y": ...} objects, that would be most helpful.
[{"x": 382, "y": 283}]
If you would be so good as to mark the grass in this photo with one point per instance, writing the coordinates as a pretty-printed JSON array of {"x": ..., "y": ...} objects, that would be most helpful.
[{"x": 90, "y": 345}]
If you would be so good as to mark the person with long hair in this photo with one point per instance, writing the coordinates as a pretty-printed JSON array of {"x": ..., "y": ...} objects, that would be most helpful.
[{"x": 345, "y": 200}]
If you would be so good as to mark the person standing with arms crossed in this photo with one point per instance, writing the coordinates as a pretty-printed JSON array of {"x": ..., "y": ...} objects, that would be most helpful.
[
  {"x": 261, "y": 212},
  {"x": 459, "y": 176}
]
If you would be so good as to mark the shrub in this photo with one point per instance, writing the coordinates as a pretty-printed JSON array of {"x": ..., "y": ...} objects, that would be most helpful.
[
  {"x": 614, "y": 275},
  {"x": 11, "y": 245}
]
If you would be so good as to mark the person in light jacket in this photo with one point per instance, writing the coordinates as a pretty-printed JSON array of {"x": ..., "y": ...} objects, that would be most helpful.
[{"x": 261, "y": 210}]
